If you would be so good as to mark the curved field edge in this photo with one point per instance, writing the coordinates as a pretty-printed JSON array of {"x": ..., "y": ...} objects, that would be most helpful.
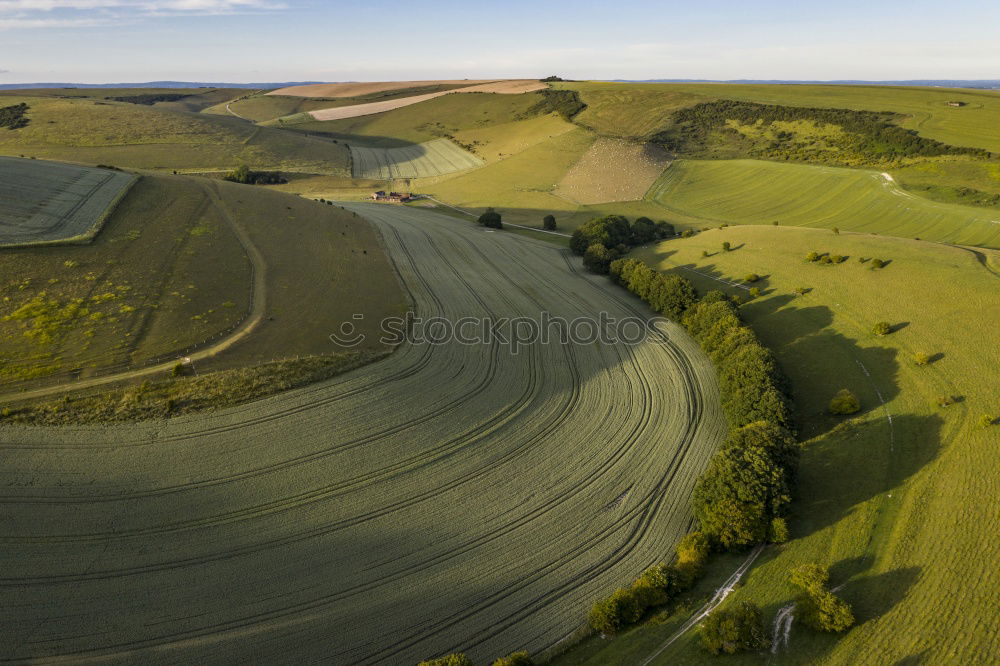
[{"x": 371, "y": 503}]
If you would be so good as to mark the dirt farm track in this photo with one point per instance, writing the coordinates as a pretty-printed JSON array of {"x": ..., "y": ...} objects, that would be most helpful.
[{"x": 449, "y": 497}]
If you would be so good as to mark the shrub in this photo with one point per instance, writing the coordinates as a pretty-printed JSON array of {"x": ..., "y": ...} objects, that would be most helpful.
[
  {"x": 986, "y": 420},
  {"x": 491, "y": 219},
  {"x": 812, "y": 256},
  {"x": 611, "y": 615},
  {"x": 751, "y": 277},
  {"x": 845, "y": 402},
  {"x": 704, "y": 253},
  {"x": 945, "y": 401},
  {"x": 515, "y": 659},
  {"x": 836, "y": 230},
  {"x": 882, "y": 328},
  {"x": 692, "y": 553},
  {"x": 824, "y": 611},
  {"x": 818, "y": 607},
  {"x": 725, "y": 246},
  {"x": 838, "y": 258},
  {"x": 738, "y": 630},
  {"x": 825, "y": 259},
  {"x": 877, "y": 263},
  {"x": 454, "y": 659},
  {"x": 779, "y": 530},
  {"x": 801, "y": 290},
  {"x": 754, "y": 292},
  {"x": 655, "y": 586},
  {"x": 549, "y": 223},
  {"x": 920, "y": 358},
  {"x": 687, "y": 233}
]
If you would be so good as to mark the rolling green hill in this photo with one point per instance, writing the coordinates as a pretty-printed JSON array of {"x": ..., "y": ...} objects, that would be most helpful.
[
  {"x": 95, "y": 131},
  {"x": 758, "y": 192},
  {"x": 887, "y": 498}
]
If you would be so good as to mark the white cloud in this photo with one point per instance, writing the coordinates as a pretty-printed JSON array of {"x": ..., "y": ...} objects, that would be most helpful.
[{"x": 41, "y": 14}]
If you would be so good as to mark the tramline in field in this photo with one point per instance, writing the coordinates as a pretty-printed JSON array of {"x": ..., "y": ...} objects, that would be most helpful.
[
  {"x": 47, "y": 202},
  {"x": 432, "y": 158}
]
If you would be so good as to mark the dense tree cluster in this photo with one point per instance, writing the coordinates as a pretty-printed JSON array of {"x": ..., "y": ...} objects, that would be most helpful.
[
  {"x": 613, "y": 235},
  {"x": 817, "y": 606},
  {"x": 738, "y": 630},
  {"x": 566, "y": 103},
  {"x": 865, "y": 137},
  {"x": 741, "y": 499},
  {"x": 491, "y": 219},
  {"x": 149, "y": 99},
  {"x": 243, "y": 174},
  {"x": 13, "y": 117}
]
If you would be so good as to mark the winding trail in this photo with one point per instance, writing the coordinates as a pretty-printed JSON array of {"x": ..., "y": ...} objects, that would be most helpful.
[
  {"x": 450, "y": 497},
  {"x": 258, "y": 303}
]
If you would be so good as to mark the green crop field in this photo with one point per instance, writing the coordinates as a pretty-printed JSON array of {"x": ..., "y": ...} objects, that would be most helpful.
[
  {"x": 47, "y": 201},
  {"x": 888, "y": 499},
  {"x": 758, "y": 192},
  {"x": 424, "y": 160},
  {"x": 450, "y": 494},
  {"x": 94, "y": 131}
]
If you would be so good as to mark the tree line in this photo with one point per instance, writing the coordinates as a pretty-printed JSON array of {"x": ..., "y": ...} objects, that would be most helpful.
[
  {"x": 566, "y": 103},
  {"x": 13, "y": 117},
  {"x": 148, "y": 99},
  {"x": 243, "y": 174}
]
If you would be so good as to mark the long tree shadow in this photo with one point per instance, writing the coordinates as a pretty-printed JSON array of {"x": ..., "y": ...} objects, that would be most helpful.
[
  {"x": 859, "y": 461},
  {"x": 873, "y": 596}
]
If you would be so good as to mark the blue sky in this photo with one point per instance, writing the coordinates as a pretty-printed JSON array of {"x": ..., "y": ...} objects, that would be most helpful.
[{"x": 91, "y": 41}]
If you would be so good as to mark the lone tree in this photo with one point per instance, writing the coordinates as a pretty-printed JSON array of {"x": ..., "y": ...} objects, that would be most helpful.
[
  {"x": 549, "y": 223},
  {"x": 737, "y": 630},
  {"x": 491, "y": 219},
  {"x": 882, "y": 328},
  {"x": 844, "y": 403},
  {"x": 726, "y": 246}
]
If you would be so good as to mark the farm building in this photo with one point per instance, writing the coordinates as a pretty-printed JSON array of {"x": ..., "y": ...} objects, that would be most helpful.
[{"x": 392, "y": 197}]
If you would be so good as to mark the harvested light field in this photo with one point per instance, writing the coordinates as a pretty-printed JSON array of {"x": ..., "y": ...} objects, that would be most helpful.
[
  {"x": 452, "y": 497},
  {"x": 46, "y": 201},
  {"x": 613, "y": 170},
  {"x": 360, "y": 88},
  {"x": 433, "y": 158},
  {"x": 758, "y": 192},
  {"x": 501, "y": 87}
]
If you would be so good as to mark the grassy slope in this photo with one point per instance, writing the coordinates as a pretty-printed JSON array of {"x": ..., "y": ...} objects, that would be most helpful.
[
  {"x": 757, "y": 192},
  {"x": 629, "y": 109},
  {"x": 94, "y": 131},
  {"x": 897, "y": 514},
  {"x": 323, "y": 265},
  {"x": 166, "y": 272}
]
